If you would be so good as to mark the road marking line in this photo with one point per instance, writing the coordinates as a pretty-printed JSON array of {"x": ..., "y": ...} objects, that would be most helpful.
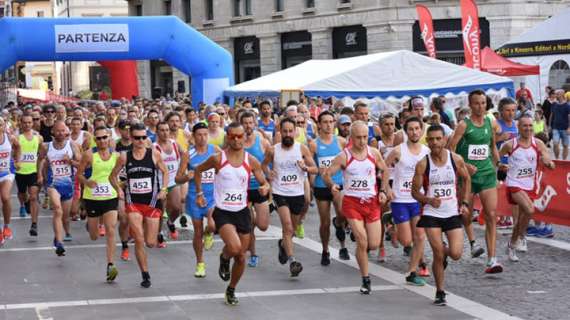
[
  {"x": 545, "y": 241},
  {"x": 102, "y": 245},
  {"x": 43, "y": 306},
  {"x": 457, "y": 302}
]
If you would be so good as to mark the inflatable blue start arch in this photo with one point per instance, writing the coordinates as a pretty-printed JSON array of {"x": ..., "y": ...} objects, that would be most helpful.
[{"x": 123, "y": 38}]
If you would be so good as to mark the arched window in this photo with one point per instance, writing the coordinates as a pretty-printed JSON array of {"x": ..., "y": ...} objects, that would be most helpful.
[{"x": 559, "y": 75}]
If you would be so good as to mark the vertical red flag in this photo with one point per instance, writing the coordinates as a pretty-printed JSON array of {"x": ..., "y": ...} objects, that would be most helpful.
[
  {"x": 426, "y": 29},
  {"x": 471, "y": 34}
]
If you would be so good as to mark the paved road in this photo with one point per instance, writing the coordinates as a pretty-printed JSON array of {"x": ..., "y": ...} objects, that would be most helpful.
[{"x": 35, "y": 284}]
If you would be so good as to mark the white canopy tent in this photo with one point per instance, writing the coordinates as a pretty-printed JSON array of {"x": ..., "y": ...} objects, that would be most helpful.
[
  {"x": 385, "y": 75},
  {"x": 543, "y": 45}
]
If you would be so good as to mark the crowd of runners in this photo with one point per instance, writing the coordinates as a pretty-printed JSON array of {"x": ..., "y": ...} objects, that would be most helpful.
[{"x": 397, "y": 181}]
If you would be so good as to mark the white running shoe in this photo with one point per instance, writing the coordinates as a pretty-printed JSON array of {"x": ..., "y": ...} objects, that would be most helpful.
[
  {"x": 512, "y": 253},
  {"x": 521, "y": 245}
]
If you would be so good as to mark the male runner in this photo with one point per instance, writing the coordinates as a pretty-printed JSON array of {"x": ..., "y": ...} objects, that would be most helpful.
[
  {"x": 123, "y": 144},
  {"x": 524, "y": 153},
  {"x": 290, "y": 161},
  {"x": 362, "y": 198},
  {"x": 99, "y": 197},
  {"x": 143, "y": 194},
  {"x": 438, "y": 172},
  {"x": 62, "y": 156},
  {"x": 266, "y": 123},
  {"x": 475, "y": 141},
  {"x": 233, "y": 167},
  {"x": 405, "y": 209},
  {"x": 9, "y": 150},
  {"x": 324, "y": 149}
]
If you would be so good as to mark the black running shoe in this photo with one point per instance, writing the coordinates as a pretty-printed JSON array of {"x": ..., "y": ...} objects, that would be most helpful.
[
  {"x": 224, "y": 270},
  {"x": 183, "y": 221},
  {"x": 230, "y": 296},
  {"x": 325, "y": 258},
  {"x": 59, "y": 249},
  {"x": 282, "y": 254},
  {"x": 440, "y": 298},
  {"x": 171, "y": 226},
  {"x": 388, "y": 236},
  {"x": 339, "y": 231},
  {"x": 34, "y": 230},
  {"x": 445, "y": 262},
  {"x": 343, "y": 254},
  {"x": 407, "y": 251},
  {"x": 295, "y": 267},
  {"x": 146, "y": 280},
  {"x": 365, "y": 288}
]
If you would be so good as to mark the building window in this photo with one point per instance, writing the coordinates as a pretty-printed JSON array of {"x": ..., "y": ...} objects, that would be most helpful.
[
  {"x": 167, "y": 7},
  {"x": 209, "y": 9},
  {"x": 237, "y": 12},
  {"x": 138, "y": 10},
  {"x": 344, "y": 1},
  {"x": 279, "y": 5},
  {"x": 309, "y": 3},
  {"x": 559, "y": 75},
  {"x": 247, "y": 7},
  {"x": 242, "y": 6},
  {"x": 187, "y": 10}
]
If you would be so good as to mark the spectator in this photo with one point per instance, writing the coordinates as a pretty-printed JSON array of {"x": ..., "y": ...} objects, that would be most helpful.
[
  {"x": 522, "y": 89},
  {"x": 437, "y": 107},
  {"x": 559, "y": 120},
  {"x": 547, "y": 104}
]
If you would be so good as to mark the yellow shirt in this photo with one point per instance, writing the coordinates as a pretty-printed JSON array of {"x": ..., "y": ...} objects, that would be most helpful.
[{"x": 181, "y": 140}]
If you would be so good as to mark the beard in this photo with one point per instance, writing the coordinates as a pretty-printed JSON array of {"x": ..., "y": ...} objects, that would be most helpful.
[{"x": 287, "y": 141}]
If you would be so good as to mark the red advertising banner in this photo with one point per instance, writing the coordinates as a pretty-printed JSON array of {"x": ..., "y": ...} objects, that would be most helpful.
[
  {"x": 471, "y": 34},
  {"x": 426, "y": 29},
  {"x": 553, "y": 203}
]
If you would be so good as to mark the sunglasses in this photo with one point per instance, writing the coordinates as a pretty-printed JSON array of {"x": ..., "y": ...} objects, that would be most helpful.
[
  {"x": 101, "y": 138},
  {"x": 235, "y": 136},
  {"x": 221, "y": 113},
  {"x": 139, "y": 137},
  {"x": 36, "y": 119},
  {"x": 300, "y": 122}
]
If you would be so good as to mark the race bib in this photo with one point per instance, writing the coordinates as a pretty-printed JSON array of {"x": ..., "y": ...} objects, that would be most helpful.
[
  {"x": 478, "y": 152},
  {"x": 102, "y": 190},
  {"x": 525, "y": 172},
  {"x": 28, "y": 157},
  {"x": 289, "y": 180},
  {"x": 443, "y": 193},
  {"x": 208, "y": 176},
  {"x": 62, "y": 170},
  {"x": 405, "y": 186},
  {"x": 4, "y": 164},
  {"x": 140, "y": 186},
  {"x": 171, "y": 168},
  {"x": 360, "y": 183},
  {"x": 233, "y": 198},
  {"x": 325, "y": 162}
]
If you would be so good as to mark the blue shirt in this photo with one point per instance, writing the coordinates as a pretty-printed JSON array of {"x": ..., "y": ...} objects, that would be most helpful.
[
  {"x": 324, "y": 157},
  {"x": 195, "y": 159},
  {"x": 256, "y": 151},
  {"x": 560, "y": 112},
  {"x": 268, "y": 129},
  {"x": 513, "y": 132}
]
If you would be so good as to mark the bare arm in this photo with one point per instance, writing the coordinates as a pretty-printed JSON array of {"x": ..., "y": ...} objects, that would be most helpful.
[
  {"x": 418, "y": 181},
  {"x": 85, "y": 162},
  {"x": 493, "y": 146},
  {"x": 114, "y": 179},
  {"x": 338, "y": 163},
  {"x": 465, "y": 178},
  {"x": 457, "y": 135},
  {"x": 181, "y": 176},
  {"x": 545, "y": 155},
  {"x": 393, "y": 156},
  {"x": 309, "y": 163},
  {"x": 76, "y": 155},
  {"x": 259, "y": 176},
  {"x": 211, "y": 162},
  {"x": 267, "y": 159},
  {"x": 41, "y": 163},
  {"x": 506, "y": 149},
  {"x": 162, "y": 167}
]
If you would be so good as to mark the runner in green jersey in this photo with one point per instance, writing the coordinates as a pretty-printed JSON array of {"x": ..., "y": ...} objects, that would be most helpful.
[{"x": 474, "y": 140}]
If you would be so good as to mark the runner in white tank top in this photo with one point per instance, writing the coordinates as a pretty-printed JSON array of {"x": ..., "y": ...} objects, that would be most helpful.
[
  {"x": 6, "y": 178},
  {"x": 524, "y": 154},
  {"x": 231, "y": 215},
  {"x": 289, "y": 177},
  {"x": 82, "y": 137},
  {"x": 438, "y": 173}
]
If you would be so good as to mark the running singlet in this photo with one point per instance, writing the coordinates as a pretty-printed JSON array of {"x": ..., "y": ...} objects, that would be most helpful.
[
  {"x": 324, "y": 157},
  {"x": 195, "y": 159},
  {"x": 513, "y": 133},
  {"x": 101, "y": 170},
  {"x": 60, "y": 172},
  {"x": 385, "y": 151},
  {"x": 171, "y": 161},
  {"x": 359, "y": 178},
  {"x": 290, "y": 178},
  {"x": 404, "y": 173},
  {"x": 230, "y": 185},
  {"x": 6, "y": 164},
  {"x": 256, "y": 151},
  {"x": 142, "y": 180},
  {"x": 475, "y": 146},
  {"x": 218, "y": 140},
  {"x": 151, "y": 135},
  {"x": 523, "y": 163},
  {"x": 182, "y": 141},
  {"x": 441, "y": 182},
  {"x": 28, "y": 154},
  {"x": 80, "y": 138},
  {"x": 269, "y": 129}
]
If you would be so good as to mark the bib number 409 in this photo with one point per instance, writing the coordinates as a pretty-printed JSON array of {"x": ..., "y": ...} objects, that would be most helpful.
[{"x": 289, "y": 178}]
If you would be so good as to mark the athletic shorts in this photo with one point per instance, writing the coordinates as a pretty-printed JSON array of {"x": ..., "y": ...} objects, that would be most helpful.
[
  {"x": 558, "y": 135},
  {"x": 144, "y": 210},
  {"x": 367, "y": 210},
  {"x": 483, "y": 182},
  {"x": 196, "y": 212},
  {"x": 510, "y": 190},
  {"x": 65, "y": 191},
  {"x": 323, "y": 194},
  {"x": 253, "y": 196},
  {"x": 445, "y": 224},
  {"x": 25, "y": 181},
  {"x": 296, "y": 204},
  {"x": 404, "y": 212},
  {"x": 8, "y": 177},
  {"x": 97, "y": 208},
  {"x": 240, "y": 219}
]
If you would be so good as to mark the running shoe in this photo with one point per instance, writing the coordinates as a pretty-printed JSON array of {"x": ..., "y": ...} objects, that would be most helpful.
[
  {"x": 502, "y": 224},
  {"x": 295, "y": 268},
  {"x": 34, "y": 230},
  {"x": 493, "y": 267},
  {"x": 161, "y": 242},
  {"x": 424, "y": 271},
  {"x": 2, "y": 240},
  {"x": 325, "y": 258},
  {"x": 253, "y": 261},
  {"x": 59, "y": 249},
  {"x": 546, "y": 232},
  {"x": 407, "y": 251},
  {"x": 365, "y": 288},
  {"x": 521, "y": 245},
  {"x": 200, "y": 270},
  {"x": 101, "y": 230},
  {"x": 476, "y": 250},
  {"x": 67, "y": 237},
  {"x": 339, "y": 231},
  {"x": 440, "y": 298},
  {"x": 208, "y": 240},
  {"x": 146, "y": 280},
  {"x": 532, "y": 231},
  {"x": 7, "y": 233},
  {"x": 300, "y": 231},
  {"x": 125, "y": 254},
  {"x": 230, "y": 297},
  {"x": 75, "y": 218},
  {"x": 23, "y": 212},
  {"x": 475, "y": 216},
  {"x": 381, "y": 255},
  {"x": 224, "y": 270},
  {"x": 282, "y": 256},
  {"x": 112, "y": 272},
  {"x": 183, "y": 221},
  {"x": 172, "y": 229},
  {"x": 414, "y": 280},
  {"x": 343, "y": 254},
  {"x": 509, "y": 222},
  {"x": 512, "y": 253}
]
